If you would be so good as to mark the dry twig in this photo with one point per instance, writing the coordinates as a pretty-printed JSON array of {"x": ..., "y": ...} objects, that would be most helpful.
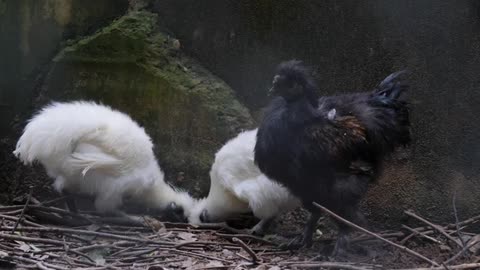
[
  {"x": 23, "y": 210},
  {"x": 434, "y": 226},
  {"x": 415, "y": 232},
  {"x": 247, "y": 249},
  {"x": 403, "y": 248}
]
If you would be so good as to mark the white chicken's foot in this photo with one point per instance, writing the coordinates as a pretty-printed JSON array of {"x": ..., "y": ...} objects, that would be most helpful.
[
  {"x": 262, "y": 226},
  {"x": 122, "y": 218}
]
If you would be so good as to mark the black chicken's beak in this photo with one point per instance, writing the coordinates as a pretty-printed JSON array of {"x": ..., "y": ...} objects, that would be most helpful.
[{"x": 272, "y": 89}]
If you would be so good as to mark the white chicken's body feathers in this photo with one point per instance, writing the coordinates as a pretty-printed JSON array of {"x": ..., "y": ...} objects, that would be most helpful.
[
  {"x": 238, "y": 186},
  {"x": 92, "y": 149}
]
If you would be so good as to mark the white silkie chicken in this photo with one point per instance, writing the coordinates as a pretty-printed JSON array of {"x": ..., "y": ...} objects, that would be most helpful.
[
  {"x": 237, "y": 186},
  {"x": 94, "y": 150}
]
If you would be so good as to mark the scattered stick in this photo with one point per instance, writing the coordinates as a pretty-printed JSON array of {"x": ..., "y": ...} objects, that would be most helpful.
[
  {"x": 42, "y": 267},
  {"x": 453, "y": 267},
  {"x": 248, "y": 236},
  {"x": 23, "y": 210},
  {"x": 457, "y": 227},
  {"x": 205, "y": 226},
  {"x": 415, "y": 232},
  {"x": 434, "y": 226},
  {"x": 200, "y": 255},
  {"x": 331, "y": 265},
  {"x": 84, "y": 232},
  {"x": 30, "y": 239},
  {"x": 34, "y": 262},
  {"x": 250, "y": 252},
  {"x": 461, "y": 252},
  {"x": 200, "y": 243},
  {"x": 6, "y": 217},
  {"x": 403, "y": 248}
]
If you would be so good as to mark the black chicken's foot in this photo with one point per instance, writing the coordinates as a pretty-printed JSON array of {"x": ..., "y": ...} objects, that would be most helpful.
[
  {"x": 304, "y": 240},
  {"x": 341, "y": 246}
]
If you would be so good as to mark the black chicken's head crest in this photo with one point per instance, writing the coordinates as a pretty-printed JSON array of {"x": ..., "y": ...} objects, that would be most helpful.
[{"x": 292, "y": 80}]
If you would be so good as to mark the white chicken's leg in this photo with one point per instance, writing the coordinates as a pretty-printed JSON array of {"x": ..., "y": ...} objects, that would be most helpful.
[
  {"x": 262, "y": 226},
  {"x": 70, "y": 202}
]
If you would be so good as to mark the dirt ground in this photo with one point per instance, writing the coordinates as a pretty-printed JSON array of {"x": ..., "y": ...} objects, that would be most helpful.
[
  {"x": 52, "y": 238},
  {"x": 215, "y": 243}
]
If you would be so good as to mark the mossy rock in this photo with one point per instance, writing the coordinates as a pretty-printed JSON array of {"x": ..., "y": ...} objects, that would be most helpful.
[{"x": 130, "y": 65}]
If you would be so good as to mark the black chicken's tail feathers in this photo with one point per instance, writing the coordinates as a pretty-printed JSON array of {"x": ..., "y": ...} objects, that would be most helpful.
[
  {"x": 387, "y": 117},
  {"x": 392, "y": 87}
]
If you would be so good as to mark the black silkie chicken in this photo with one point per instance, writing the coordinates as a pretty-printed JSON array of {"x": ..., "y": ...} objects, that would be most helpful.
[{"x": 327, "y": 150}]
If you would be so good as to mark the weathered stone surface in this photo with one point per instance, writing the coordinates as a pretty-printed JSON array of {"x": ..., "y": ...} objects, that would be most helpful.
[
  {"x": 353, "y": 45},
  {"x": 133, "y": 67}
]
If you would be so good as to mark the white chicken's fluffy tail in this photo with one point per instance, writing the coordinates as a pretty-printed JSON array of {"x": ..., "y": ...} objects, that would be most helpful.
[
  {"x": 83, "y": 135},
  {"x": 96, "y": 161}
]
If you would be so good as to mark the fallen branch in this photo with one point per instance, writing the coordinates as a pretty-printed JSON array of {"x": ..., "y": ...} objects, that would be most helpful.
[
  {"x": 452, "y": 267},
  {"x": 457, "y": 227},
  {"x": 199, "y": 255},
  {"x": 23, "y": 210},
  {"x": 248, "y": 236},
  {"x": 331, "y": 265},
  {"x": 421, "y": 234},
  {"x": 403, "y": 248},
  {"x": 31, "y": 239},
  {"x": 42, "y": 267},
  {"x": 205, "y": 226},
  {"x": 84, "y": 232},
  {"x": 247, "y": 249},
  {"x": 461, "y": 252},
  {"x": 34, "y": 262},
  {"x": 6, "y": 217}
]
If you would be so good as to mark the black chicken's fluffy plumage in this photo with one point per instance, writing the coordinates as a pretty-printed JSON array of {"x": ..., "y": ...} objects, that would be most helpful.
[{"x": 328, "y": 149}]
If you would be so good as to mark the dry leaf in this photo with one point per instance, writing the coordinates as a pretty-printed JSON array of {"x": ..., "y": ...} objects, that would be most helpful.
[
  {"x": 155, "y": 224},
  {"x": 188, "y": 237},
  {"x": 188, "y": 263},
  {"x": 214, "y": 264},
  {"x": 24, "y": 247}
]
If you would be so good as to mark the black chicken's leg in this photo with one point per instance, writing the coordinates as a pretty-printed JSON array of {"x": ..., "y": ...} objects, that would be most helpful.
[
  {"x": 342, "y": 245},
  {"x": 304, "y": 239}
]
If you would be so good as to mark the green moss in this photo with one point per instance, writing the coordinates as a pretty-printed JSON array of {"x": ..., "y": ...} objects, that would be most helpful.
[
  {"x": 123, "y": 41},
  {"x": 187, "y": 111}
]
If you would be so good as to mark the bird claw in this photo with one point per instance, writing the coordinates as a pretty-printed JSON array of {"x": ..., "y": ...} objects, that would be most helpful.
[
  {"x": 296, "y": 243},
  {"x": 340, "y": 249},
  {"x": 174, "y": 213},
  {"x": 261, "y": 227}
]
